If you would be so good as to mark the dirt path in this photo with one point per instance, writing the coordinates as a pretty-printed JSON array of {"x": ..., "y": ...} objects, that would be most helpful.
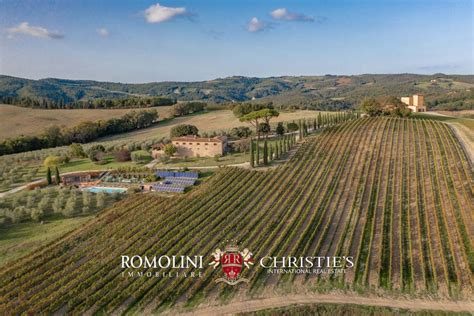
[
  {"x": 275, "y": 302},
  {"x": 17, "y": 189},
  {"x": 465, "y": 137}
]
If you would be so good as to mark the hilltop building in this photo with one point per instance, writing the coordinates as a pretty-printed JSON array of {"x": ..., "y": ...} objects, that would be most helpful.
[
  {"x": 415, "y": 103},
  {"x": 193, "y": 146}
]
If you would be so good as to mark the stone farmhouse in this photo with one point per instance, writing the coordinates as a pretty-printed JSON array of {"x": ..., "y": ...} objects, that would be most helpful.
[
  {"x": 193, "y": 146},
  {"x": 415, "y": 103}
]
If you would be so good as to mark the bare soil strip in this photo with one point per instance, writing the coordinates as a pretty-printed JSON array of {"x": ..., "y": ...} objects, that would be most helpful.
[{"x": 275, "y": 302}]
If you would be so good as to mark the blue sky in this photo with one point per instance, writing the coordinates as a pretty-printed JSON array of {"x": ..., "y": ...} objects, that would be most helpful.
[{"x": 143, "y": 41}]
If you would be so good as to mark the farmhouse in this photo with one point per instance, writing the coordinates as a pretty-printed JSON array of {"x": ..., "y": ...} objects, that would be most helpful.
[
  {"x": 80, "y": 178},
  {"x": 415, "y": 103},
  {"x": 193, "y": 146}
]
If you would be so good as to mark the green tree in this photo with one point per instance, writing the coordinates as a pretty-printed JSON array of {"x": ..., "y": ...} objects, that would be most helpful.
[
  {"x": 58, "y": 203},
  {"x": 241, "y": 132},
  {"x": 71, "y": 205},
  {"x": 254, "y": 118},
  {"x": 169, "y": 150},
  {"x": 184, "y": 130},
  {"x": 242, "y": 109},
  {"x": 36, "y": 214},
  {"x": 252, "y": 162},
  {"x": 44, "y": 203},
  {"x": 76, "y": 150},
  {"x": 292, "y": 127},
  {"x": 48, "y": 176},
  {"x": 86, "y": 198},
  {"x": 57, "y": 177},
  {"x": 52, "y": 161},
  {"x": 265, "y": 153},
  {"x": 371, "y": 106},
  {"x": 264, "y": 128},
  {"x": 53, "y": 136},
  {"x": 280, "y": 129},
  {"x": 301, "y": 132},
  {"x": 100, "y": 200}
]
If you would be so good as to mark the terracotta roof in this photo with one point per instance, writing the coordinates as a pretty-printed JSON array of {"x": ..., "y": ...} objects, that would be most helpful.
[{"x": 197, "y": 139}]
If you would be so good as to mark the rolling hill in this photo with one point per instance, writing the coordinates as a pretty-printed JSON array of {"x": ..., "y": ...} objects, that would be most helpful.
[
  {"x": 442, "y": 91},
  {"x": 367, "y": 189}
]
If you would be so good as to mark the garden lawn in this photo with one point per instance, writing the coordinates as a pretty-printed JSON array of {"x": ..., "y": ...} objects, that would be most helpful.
[{"x": 86, "y": 164}]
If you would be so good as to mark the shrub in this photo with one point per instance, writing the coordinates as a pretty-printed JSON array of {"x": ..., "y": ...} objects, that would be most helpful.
[
  {"x": 141, "y": 156},
  {"x": 292, "y": 127},
  {"x": 122, "y": 155}
]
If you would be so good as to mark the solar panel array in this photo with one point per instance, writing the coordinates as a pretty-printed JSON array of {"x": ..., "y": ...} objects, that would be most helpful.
[
  {"x": 168, "y": 188},
  {"x": 180, "y": 181},
  {"x": 177, "y": 174},
  {"x": 175, "y": 182}
]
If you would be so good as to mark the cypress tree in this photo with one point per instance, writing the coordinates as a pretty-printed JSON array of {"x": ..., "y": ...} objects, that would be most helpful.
[
  {"x": 252, "y": 163},
  {"x": 301, "y": 129},
  {"x": 58, "y": 179},
  {"x": 48, "y": 176},
  {"x": 270, "y": 155},
  {"x": 265, "y": 153},
  {"x": 276, "y": 150},
  {"x": 257, "y": 159}
]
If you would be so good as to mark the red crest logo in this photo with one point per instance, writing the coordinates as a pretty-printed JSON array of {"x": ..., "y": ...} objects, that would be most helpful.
[{"x": 232, "y": 262}]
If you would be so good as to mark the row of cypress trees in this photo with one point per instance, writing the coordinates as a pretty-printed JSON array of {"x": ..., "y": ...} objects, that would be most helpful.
[
  {"x": 271, "y": 151},
  {"x": 284, "y": 143},
  {"x": 49, "y": 177}
]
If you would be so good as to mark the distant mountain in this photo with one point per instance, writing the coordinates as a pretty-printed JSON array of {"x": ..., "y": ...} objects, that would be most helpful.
[{"x": 324, "y": 92}]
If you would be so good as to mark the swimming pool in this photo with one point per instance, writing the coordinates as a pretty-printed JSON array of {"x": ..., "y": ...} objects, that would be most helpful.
[{"x": 106, "y": 190}]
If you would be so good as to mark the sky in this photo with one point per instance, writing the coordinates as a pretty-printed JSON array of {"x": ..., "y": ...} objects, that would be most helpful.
[{"x": 182, "y": 40}]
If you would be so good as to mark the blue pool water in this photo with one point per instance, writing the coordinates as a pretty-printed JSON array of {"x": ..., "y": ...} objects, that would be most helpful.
[{"x": 106, "y": 190}]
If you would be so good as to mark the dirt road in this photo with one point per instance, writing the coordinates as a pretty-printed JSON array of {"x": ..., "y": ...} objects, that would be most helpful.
[
  {"x": 465, "y": 136},
  {"x": 275, "y": 302}
]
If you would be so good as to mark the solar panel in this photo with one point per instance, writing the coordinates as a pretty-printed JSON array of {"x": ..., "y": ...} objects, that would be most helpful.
[
  {"x": 175, "y": 181},
  {"x": 177, "y": 174}
]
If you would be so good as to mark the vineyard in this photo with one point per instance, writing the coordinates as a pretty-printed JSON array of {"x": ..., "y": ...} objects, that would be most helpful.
[{"x": 396, "y": 194}]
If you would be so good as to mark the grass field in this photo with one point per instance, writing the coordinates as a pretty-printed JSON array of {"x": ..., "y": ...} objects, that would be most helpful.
[
  {"x": 393, "y": 193},
  {"x": 20, "y": 239},
  {"x": 207, "y": 122},
  {"x": 25, "y": 121}
]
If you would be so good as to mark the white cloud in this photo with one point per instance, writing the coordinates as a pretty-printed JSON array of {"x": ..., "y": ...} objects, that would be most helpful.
[
  {"x": 35, "y": 31},
  {"x": 158, "y": 13},
  {"x": 255, "y": 25},
  {"x": 103, "y": 32},
  {"x": 284, "y": 14}
]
